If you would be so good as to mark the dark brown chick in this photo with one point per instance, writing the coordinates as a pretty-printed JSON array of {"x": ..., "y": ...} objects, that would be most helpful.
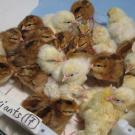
[
  {"x": 83, "y": 10},
  {"x": 30, "y": 22},
  {"x": 108, "y": 68},
  {"x": 6, "y": 70},
  {"x": 11, "y": 40},
  {"x": 55, "y": 114},
  {"x": 32, "y": 78}
]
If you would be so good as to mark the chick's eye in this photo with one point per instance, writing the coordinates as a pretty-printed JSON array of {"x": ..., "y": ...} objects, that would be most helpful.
[
  {"x": 68, "y": 22},
  {"x": 72, "y": 75},
  {"x": 29, "y": 24}
]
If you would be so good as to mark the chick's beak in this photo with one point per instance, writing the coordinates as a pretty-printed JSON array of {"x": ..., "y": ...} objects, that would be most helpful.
[
  {"x": 23, "y": 28},
  {"x": 110, "y": 98},
  {"x": 75, "y": 23},
  {"x": 64, "y": 78},
  {"x": 21, "y": 39},
  {"x": 54, "y": 37}
]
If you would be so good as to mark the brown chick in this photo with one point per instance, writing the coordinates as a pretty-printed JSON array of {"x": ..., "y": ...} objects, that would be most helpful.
[
  {"x": 31, "y": 77},
  {"x": 6, "y": 71},
  {"x": 109, "y": 68},
  {"x": 39, "y": 37},
  {"x": 55, "y": 114},
  {"x": 81, "y": 43},
  {"x": 83, "y": 10},
  {"x": 11, "y": 40},
  {"x": 30, "y": 22}
]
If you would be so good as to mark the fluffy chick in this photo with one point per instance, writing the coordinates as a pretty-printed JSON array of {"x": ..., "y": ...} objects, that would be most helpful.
[
  {"x": 121, "y": 26},
  {"x": 75, "y": 70},
  {"x": 102, "y": 41},
  {"x": 99, "y": 114},
  {"x": 11, "y": 40},
  {"x": 108, "y": 103},
  {"x": 59, "y": 22},
  {"x": 49, "y": 58},
  {"x": 30, "y": 22},
  {"x": 108, "y": 68},
  {"x": 71, "y": 75}
]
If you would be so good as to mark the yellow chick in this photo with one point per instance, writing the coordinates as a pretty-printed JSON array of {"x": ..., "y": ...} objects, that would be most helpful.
[
  {"x": 105, "y": 108},
  {"x": 75, "y": 70},
  {"x": 102, "y": 41},
  {"x": 49, "y": 58},
  {"x": 59, "y": 22},
  {"x": 99, "y": 114},
  {"x": 121, "y": 26}
]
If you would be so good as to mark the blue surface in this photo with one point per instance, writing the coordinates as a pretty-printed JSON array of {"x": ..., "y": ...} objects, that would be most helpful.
[{"x": 101, "y": 6}]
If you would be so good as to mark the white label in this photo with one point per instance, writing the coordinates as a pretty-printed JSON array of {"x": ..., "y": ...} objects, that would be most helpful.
[{"x": 19, "y": 114}]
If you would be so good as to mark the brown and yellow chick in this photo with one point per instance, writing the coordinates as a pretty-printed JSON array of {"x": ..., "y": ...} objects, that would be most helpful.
[
  {"x": 83, "y": 10},
  {"x": 11, "y": 40},
  {"x": 107, "y": 67}
]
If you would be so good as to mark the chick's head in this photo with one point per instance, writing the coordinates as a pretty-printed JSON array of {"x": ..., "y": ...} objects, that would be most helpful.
[
  {"x": 11, "y": 39},
  {"x": 30, "y": 22},
  {"x": 74, "y": 69},
  {"x": 123, "y": 97},
  {"x": 46, "y": 35},
  {"x": 115, "y": 14},
  {"x": 49, "y": 58},
  {"x": 63, "y": 20},
  {"x": 100, "y": 34}
]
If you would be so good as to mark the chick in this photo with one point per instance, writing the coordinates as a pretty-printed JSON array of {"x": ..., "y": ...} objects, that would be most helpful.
[
  {"x": 54, "y": 114},
  {"x": 59, "y": 22},
  {"x": 108, "y": 68},
  {"x": 31, "y": 77},
  {"x": 99, "y": 114},
  {"x": 49, "y": 58},
  {"x": 33, "y": 42},
  {"x": 108, "y": 103},
  {"x": 11, "y": 40},
  {"x": 102, "y": 41},
  {"x": 75, "y": 70},
  {"x": 30, "y": 22},
  {"x": 121, "y": 26},
  {"x": 83, "y": 10}
]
